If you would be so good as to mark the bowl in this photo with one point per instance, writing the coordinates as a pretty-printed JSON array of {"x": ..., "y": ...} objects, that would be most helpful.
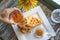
[
  {"x": 57, "y": 37},
  {"x": 55, "y": 16}
]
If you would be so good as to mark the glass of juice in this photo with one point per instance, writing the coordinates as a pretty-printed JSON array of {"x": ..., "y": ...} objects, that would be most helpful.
[{"x": 15, "y": 16}]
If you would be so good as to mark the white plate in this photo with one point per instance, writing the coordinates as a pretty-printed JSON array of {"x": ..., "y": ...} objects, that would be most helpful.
[{"x": 48, "y": 30}]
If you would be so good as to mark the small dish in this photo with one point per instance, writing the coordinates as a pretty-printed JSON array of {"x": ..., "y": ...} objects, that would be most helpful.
[{"x": 55, "y": 16}]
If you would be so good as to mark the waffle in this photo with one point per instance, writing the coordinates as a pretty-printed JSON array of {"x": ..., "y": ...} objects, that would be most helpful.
[{"x": 32, "y": 21}]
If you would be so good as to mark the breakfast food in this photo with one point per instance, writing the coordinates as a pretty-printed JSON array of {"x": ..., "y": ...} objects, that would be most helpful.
[
  {"x": 23, "y": 22},
  {"x": 24, "y": 28},
  {"x": 16, "y": 16},
  {"x": 28, "y": 23},
  {"x": 39, "y": 32},
  {"x": 32, "y": 21}
]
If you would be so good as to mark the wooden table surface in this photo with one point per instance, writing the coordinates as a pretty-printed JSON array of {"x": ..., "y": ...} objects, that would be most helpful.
[{"x": 7, "y": 33}]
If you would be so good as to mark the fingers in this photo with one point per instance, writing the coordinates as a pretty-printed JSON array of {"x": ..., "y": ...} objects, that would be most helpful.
[
  {"x": 9, "y": 10},
  {"x": 6, "y": 14},
  {"x": 5, "y": 20}
]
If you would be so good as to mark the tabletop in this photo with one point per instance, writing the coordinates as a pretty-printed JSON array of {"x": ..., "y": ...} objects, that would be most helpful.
[{"x": 7, "y": 33}]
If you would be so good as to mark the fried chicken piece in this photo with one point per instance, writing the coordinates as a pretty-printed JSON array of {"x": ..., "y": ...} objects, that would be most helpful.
[{"x": 24, "y": 28}]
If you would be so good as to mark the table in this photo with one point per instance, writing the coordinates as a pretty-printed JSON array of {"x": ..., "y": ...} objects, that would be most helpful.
[{"x": 11, "y": 31}]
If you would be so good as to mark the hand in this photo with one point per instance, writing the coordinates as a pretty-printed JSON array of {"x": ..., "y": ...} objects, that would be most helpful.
[
  {"x": 3, "y": 17},
  {"x": 5, "y": 14}
]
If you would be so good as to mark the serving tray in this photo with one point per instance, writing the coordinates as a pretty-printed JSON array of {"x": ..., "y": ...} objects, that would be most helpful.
[{"x": 47, "y": 28}]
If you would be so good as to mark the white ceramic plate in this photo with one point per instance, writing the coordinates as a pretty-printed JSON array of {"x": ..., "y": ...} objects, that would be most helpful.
[{"x": 48, "y": 30}]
